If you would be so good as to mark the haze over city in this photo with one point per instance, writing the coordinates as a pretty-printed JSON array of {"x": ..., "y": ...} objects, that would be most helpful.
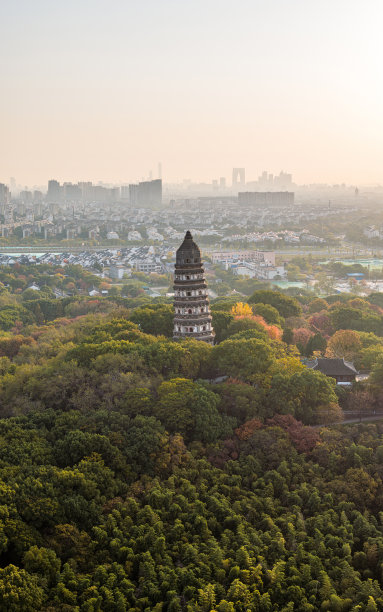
[
  {"x": 191, "y": 306},
  {"x": 102, "y": 91}
]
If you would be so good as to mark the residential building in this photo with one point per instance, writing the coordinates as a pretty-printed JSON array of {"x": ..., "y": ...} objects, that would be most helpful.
[
  {"x": 232, "y": 256},
  {"x": 147, "y": 193}
]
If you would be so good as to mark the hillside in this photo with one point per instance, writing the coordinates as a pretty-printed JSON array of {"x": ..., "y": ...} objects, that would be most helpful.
[{"x": 132, "y": 479}]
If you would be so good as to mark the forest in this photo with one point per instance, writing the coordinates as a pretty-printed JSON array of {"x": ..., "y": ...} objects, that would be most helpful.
[{"x": 142, "y": 474}]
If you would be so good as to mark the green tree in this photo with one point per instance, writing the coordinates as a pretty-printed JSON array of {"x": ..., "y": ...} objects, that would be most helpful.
[
  {"x": 221, "y": 321},
  {"x": 42, "y": 561},
  {"x": 244, "y": 359},
  {"x": 19, "y": 590},
  {"x": 316, "y": 343},
  {"x": 269, "y": 313},
  {"x": 285, "y": 305},
  {"x": 156, "y": 319},
  {"x": 317, "y": 305},
  {"x": 188, "y": 408}
]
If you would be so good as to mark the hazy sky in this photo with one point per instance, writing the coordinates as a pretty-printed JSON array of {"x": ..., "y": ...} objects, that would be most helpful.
[{"x": 104, "y": 89}]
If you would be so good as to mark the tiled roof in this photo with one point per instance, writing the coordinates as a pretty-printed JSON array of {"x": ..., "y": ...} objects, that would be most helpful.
[{"x": 333, "y": 367}]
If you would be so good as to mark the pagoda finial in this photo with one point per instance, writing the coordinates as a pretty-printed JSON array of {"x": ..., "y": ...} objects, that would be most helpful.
[{"x": 188, "y": 235}]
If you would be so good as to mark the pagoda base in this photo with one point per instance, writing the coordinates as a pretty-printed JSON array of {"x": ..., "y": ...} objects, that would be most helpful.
[{"x": 207, "y": 336}]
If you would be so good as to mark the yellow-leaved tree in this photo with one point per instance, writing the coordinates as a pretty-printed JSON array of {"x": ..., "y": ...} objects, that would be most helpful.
[{"x": 241, "y": 310}]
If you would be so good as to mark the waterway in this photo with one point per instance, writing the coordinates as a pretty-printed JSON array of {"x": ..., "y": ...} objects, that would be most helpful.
[
  {"x": 287, "y": 284},
  {"x": 14, "y": 254}
]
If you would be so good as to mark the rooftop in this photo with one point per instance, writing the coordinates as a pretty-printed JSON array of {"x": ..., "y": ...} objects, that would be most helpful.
[{"x": 333, "y": 367}]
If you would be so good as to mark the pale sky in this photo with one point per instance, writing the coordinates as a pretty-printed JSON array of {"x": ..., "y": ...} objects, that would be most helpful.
[{"x": 105, "y": 89}]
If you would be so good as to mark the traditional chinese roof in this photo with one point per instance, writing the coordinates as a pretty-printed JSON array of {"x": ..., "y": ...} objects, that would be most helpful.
[{"x": 333, "y": 367}]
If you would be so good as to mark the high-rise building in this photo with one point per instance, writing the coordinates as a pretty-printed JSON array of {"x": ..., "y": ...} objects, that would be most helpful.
[
  {"x": 238, "y": 177},
  {"x": 192, "y": 318},
  {"x": 26, "y": 196},
  {"x": 283, "y": 180},
  {"x": 147, "y": 193},
  {"x": 133, "y": 195},
  {"x": 8, "y": 214},
  {"x": 86, "y": 188},
  {"x": 124, "y": 192},
  {"x": 72, "y": 193},
  {"x": 54, "y": 191},
  {"x": 4, "y": 194},
  {"x": 222, "y": 182},
  {"x": 37, "y": 196}
]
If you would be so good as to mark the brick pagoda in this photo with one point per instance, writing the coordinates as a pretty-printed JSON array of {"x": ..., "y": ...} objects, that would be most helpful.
[{"x": 192, "y": 318}]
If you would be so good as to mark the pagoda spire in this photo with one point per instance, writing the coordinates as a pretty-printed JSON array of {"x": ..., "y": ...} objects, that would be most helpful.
[{"x": 192, "y": 317}]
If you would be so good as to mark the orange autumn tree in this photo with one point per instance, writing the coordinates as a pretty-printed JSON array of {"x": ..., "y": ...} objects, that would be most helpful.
[{"x": 241, "y": 310}]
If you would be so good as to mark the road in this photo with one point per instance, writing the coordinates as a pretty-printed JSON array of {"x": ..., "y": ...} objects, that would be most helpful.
[
  {"x": 378, "y": 417},
  {"x": 55, "y": 249},
  {"x": 366, "y": 419}
]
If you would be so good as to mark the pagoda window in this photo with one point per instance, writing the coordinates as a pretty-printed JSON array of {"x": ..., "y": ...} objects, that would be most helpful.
[
  {"x": 188, "y": 261},
  {"x": 191, "y": 329},
  {"x": 190, "y": 311},
  {"x": 188, "y": 293},
  {"x": 179, "y": 329},
  {"x": 188, "y": 278},
  {"x": 202, "y": 309},
  {"x": 204, "y": 328},
  {"x": 179, "y": 311},
  {"x": 200, "y": 292}
]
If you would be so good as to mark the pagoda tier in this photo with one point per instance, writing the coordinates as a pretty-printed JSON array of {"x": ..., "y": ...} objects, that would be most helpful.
[{"x": 192, "y": 317}]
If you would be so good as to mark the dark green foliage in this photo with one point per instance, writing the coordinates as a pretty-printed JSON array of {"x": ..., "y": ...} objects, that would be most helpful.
[
  {"x": 269, "y": 313},
  {"x": 131, "y": 479},
  {"x": 316, "y": 343},
  {"x": 346, "y": 317},
  {"x": 156, "y": 319},
  {"x": 221, "y": 322},
  {"x": 288, "y": 335},
  {"x": 285, "y": 305},
  {"x": 242, "y": 325},
  {"x": 9, "y": 315},
  {"x": 376, "y": 298}
]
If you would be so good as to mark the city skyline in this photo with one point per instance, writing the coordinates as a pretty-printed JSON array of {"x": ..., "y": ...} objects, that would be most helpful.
[{"x": 94, "y": 91}]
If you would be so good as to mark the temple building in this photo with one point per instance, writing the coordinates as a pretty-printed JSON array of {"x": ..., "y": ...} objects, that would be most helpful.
[{"x": 192, "y": 318}]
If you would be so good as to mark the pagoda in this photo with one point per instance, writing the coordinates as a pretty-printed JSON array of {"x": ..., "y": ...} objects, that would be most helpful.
[{"x": 192, "y": 318}]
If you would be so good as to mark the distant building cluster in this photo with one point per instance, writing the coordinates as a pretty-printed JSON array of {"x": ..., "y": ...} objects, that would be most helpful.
[
  {"x": 283, "y": 180},
  {"x": 229, "y": 257},
  {"x": 118, "y": 262},
  {"x": 85, "y": 212},
  {"x": 254, "y": 264},
  {"x": 266, "y": 181},
  {"x": 147, "y": 193},
  {"x": 81, "y": 192},
  {"x": 287, "y": 236},
  {"x": 266, "y": 198},
  {"x": 371, "y": 231}
]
